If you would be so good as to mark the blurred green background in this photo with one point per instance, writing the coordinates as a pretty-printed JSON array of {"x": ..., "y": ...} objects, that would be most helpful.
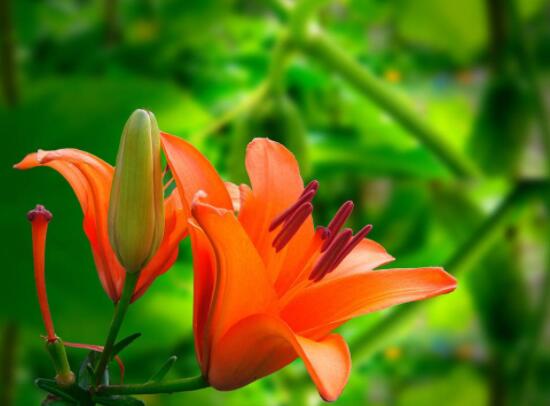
[{"x": 431, "y": 115}]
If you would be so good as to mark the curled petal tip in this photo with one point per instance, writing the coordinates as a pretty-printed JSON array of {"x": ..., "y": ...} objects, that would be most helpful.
[
  {"x": 453, "y": 283},
  {"x": 199, "y": 205},
  {"x": 447, "y": 282},
  {"x": 39, "y": 212}
]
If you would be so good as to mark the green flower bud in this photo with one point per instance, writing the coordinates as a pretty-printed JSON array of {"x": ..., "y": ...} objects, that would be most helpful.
[{"x": 136, "y": 208}]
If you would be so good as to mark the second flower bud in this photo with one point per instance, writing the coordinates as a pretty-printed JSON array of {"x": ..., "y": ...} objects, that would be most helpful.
[{"x": 136, "y": 207}]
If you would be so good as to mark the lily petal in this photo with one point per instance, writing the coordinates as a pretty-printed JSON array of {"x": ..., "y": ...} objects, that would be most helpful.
[
  {"x": 193, "y": 172},
  {"x": 204, "y": 279},
  {"x": 276, "y": 184},
  {"x": 175, "y": 229},
  {"x": 261, "y": 344},
  {"x": 90, "y": 178},
  {"x": 367, "y": 256},
  {"x": 239, "y": 194},
  {"x": 328, "y": 303},
  {"x": 241, "y": 287}
]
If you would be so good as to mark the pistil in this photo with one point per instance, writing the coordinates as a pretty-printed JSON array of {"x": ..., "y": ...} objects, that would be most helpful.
[{"x": 39, "y": 218}]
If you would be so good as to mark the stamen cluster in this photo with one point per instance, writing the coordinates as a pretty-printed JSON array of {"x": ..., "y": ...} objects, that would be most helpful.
[{"x": 336, "y": 244}]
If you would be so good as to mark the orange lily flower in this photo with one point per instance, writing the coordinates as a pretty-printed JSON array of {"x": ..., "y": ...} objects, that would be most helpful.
[
  {"x": 90, "y": 177},
  {"x": 269, "y": 287}
]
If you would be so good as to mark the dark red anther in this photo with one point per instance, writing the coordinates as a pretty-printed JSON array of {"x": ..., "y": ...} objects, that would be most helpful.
[
  {"x": 292, "y": 226},
  {"x": 313, "y": 185},
  {"x": 307, "y": 196},
  {"x": 323, "y": 232},
  {"x": 337, "y": 222},
  {"x": 353, "y": 242},
  {"x": 39, "y": 212},
  {"x": 324, "y": 264}
]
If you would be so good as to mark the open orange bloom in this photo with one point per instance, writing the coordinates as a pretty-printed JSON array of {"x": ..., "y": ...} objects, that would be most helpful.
[
  {"x": 90, "y": 178},
  {"x": 268, "y": 286}
]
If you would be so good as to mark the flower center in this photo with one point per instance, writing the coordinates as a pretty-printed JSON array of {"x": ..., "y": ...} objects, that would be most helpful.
[{"x": 336, "y": 244}]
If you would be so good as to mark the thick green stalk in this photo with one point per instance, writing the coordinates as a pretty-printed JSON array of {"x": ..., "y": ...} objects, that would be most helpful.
[
  {"x": 321, "y": 48},
  {"x": 116, "y": 323},
  {"x": 176, "y": 385},
  {"x": 470, "y": 252}
]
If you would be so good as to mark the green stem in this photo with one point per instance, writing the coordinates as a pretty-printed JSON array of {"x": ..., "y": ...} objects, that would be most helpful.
[
  {"x": 7, "y": 54},
  {"x": 58, "y": 354},
  {"x": 526, "y": 370},
  {"x": 275, "y": 78},
  {"x": 116, "y": 323},
  {"x": 470, "y": 252},
  {"x": 110, "y": 15},
  {"x": 282, "y": 8},
  {"x": 176, "y": 385},
  {"x": 301, "y": 15},
  {"x": 529, "y": 67},
  {"x": 251, "y": 100},
  {"x": 276, "y": 74},
  {"x": 320, "y": 47},
  {"x": 496, "y": 13},
  {"x": 9, "y": 363},
  {"x": 497, "y": 381}
]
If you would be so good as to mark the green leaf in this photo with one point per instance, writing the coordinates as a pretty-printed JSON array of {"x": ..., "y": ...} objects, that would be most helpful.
[
  {"x": 50, "y": 386},
  {"x": 125, "y": 342},
  {"x": 86, "y": 375},
  {"x": 52, "y": 400},
  {"x": 161, "y": 373},
  {"x": 118, "y": 401}
]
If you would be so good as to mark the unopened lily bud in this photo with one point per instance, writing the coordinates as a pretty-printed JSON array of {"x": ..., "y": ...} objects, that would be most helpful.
[{"x": 136, "y": 207}]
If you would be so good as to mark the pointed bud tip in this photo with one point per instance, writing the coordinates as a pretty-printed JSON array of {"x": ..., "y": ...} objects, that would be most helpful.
[
  {"x": 142, "y": 117},
  {"x": 39, "y": 212}
]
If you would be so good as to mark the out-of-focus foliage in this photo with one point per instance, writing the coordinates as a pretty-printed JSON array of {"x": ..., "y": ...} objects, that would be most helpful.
[{"x": 81, "y": 67}]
